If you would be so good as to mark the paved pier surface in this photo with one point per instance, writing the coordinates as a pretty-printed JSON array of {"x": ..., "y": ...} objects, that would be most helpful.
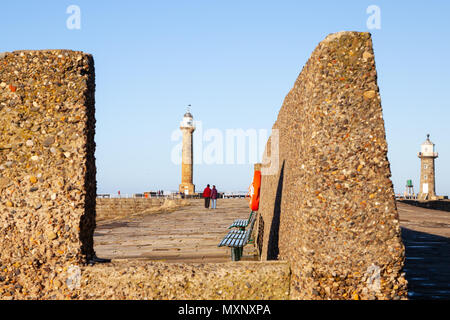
[
  {"x": 426, "y": 235},
  {"x": 191, "y": 234}
]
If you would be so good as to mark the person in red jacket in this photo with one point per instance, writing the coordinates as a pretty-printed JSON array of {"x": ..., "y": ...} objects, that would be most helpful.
[{"x": 207, "y": 196}]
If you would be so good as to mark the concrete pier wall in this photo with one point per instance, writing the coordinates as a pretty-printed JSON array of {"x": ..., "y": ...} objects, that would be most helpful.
[
  {"x": 48, "y": 199},
  {"x": 328, "y": 208}
]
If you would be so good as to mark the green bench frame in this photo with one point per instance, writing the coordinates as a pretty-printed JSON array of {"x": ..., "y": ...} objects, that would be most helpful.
[{"x": 236, "y": 239}]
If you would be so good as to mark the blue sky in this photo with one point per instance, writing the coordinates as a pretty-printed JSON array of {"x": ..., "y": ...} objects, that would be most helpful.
[{"x": 234, "y": 62}]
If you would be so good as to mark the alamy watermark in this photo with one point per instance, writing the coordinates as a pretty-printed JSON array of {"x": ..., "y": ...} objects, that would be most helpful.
[
  {"x": 373, "y": 280},
  {"x": 73, "y": 280},
  {"x": 374, "y": 20},
  {"x": 230, "y": 146},
  {"x": 73, "y": 22}
]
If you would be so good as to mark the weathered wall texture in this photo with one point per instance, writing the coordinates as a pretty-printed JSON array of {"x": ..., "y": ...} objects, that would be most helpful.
[
  {"x": 47, "y": 165},
  {"x": 47, "y": 199},
  {"x": 155, "y": 280},
  {"x": 330, "y": 209}
]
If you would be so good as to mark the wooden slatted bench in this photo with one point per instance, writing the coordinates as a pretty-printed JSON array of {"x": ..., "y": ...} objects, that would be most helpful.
[
  {"x": 236, "y": 239},
  {"x": 241, "y": 223}
]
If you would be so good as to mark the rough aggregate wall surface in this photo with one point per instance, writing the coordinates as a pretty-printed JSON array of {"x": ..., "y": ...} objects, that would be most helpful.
[
  {"x": 47, "y": 199},
  {"x": 213, "y": 281},
  {"x": 330, "y": 210},
  {"x": 47, "y": 166}
]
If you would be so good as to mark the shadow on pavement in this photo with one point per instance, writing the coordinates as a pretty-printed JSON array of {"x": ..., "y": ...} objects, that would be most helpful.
[{"x": 427, "y": 265}]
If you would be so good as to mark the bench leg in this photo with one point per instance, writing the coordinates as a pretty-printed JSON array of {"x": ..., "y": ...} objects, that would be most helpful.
[{"x": 235, "y": 254}]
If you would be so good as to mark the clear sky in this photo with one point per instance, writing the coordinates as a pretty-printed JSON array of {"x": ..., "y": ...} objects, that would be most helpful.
[{"x": 234, "y": 62}]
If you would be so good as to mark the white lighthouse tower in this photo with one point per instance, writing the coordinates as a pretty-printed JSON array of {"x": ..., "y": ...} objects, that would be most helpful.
[
  {"x": 427, "y": 155},
  {"x": 187, "y": 159}
]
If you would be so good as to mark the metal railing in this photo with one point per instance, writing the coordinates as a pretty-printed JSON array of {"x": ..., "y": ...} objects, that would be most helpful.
[{"x": 173, "y": 195}]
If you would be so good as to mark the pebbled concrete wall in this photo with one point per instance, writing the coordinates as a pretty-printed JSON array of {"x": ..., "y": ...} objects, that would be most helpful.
[
  {"x": 329, "y": 208},
  {"x": 48, "y": 199},
  {"x": 47, "y": 165},
  {"x": 212, "y": 281}
]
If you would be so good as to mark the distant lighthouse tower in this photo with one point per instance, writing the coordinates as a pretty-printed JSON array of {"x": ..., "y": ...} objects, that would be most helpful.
[
  {"x": 427, "y": 178},
  {"x": 188, "y": 128}
]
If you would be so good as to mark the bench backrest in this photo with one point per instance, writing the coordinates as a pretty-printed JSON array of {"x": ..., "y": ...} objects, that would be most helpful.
[
  {"x": 250, "y": 227},
  {"x": 252, "y": 213}
]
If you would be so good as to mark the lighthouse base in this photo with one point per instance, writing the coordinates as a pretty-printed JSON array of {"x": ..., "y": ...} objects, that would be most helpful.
[
  {"x": 187, "y": 188},
  {"x": 427, "y": 196}
]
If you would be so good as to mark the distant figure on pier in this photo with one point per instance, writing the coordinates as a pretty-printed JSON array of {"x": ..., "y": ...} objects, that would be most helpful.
[
  {"x": 207, "y": 196},
  {"x": 213, "y": 197}
]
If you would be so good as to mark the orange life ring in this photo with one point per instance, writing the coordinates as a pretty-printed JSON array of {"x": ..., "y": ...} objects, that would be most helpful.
[{"x": 254, "y": 190}]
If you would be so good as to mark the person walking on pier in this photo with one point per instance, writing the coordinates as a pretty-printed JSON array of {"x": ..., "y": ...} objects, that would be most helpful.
[
  {"x": 207, "y": 196},
  {"x": 213, "y": 197}
]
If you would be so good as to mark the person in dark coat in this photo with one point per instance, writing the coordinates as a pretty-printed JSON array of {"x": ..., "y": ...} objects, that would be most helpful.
[
  {"x": 213, "y": 197},
  {"x": 207, "y": 196}
]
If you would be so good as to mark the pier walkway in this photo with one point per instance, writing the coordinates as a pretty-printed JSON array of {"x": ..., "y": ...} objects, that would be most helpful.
[{"x": 189, "y": 234}]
